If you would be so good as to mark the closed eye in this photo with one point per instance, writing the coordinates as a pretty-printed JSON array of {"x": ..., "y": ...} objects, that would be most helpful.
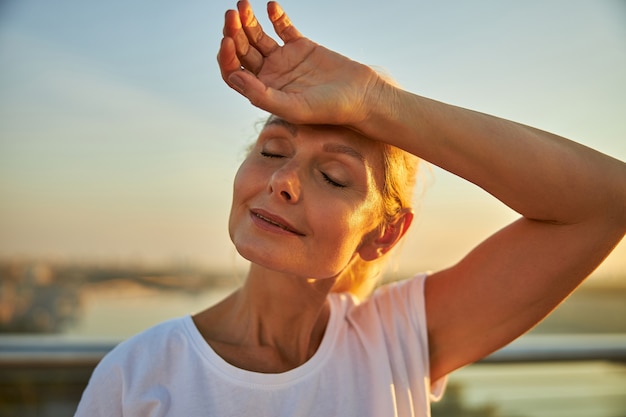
[
  {"x": 270, "y": 155},
  {"x": 332, "y": 182}
]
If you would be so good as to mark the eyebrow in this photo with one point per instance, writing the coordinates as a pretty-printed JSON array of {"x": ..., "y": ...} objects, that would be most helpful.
[
  {"x": 343, "y": 149},
  {"x": 274, "y": 120}
]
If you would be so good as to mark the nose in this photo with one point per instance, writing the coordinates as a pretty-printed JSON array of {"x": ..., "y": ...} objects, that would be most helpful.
[{"x": 285, "y": 184}]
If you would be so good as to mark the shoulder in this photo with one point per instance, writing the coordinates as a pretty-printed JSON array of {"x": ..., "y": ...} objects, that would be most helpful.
[
  {"x": 400, "y": 297},
  {"x": 138, "y": 359},
  {"x": 158, "y": 337},
  {"x": 406, "y": 290},
  {"x": 143, "y": 351},
  {"x": 401, "y": 302}
]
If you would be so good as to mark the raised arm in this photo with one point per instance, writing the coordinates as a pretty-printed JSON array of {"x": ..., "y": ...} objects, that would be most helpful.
[
  {"x": 572, "y": 199},
  {"x": 573, "y": 205}
]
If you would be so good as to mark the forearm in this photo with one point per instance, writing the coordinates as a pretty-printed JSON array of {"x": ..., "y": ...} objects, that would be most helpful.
[{"x": 538, "y": 174}]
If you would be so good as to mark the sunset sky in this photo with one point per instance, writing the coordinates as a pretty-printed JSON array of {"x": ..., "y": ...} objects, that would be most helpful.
[{"x": 119, "y": 140}]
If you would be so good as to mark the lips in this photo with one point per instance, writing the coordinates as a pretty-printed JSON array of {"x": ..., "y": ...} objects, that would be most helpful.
[{"x": 274, "y": 221}]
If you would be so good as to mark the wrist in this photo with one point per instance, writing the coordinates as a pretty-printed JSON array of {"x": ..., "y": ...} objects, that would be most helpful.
[{"x": 380, "y": 106}]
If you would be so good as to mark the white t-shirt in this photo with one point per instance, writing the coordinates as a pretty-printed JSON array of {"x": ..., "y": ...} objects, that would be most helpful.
[{"x": 372, "y": 361}]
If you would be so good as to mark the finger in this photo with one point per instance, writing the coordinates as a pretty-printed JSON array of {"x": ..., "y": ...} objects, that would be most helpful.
[
  {"x": 227, "y": 58},
  {"x": 250, "y": 57},
  {"x": 282, "y": 25},
  {"x": 230, "y": 67},
  {"x": 257, "y": 37}
]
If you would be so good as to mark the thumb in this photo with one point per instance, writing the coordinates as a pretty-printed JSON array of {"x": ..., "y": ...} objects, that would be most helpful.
[
  {"x": 249, "y": 86},
  {"x": 237, "y": 81}
]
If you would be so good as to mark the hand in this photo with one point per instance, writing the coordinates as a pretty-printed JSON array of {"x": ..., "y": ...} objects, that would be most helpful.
[{"x": 299, "y": 81}]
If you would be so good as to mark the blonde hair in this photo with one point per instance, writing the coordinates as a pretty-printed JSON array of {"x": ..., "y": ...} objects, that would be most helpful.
[{"x": 399, "y": 177}]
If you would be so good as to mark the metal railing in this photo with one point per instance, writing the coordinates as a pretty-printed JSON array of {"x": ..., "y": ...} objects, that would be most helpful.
[
  {"x": 16, "y": 351},
  {"x": 44, "y": 376},
  {"x": 562, "y": 347}
]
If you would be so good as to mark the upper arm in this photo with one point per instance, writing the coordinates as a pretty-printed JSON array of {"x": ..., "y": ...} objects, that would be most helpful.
[{"x": 506, "y": 285}]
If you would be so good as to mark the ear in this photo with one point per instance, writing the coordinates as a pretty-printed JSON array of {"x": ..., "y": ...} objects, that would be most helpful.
[{"x": 379, "y": 242}]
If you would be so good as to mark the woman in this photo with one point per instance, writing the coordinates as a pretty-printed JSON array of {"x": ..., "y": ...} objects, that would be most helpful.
[{"x": 319, "y": 201}]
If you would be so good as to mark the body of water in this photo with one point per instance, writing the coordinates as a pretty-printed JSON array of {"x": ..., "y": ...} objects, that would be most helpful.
[{"x": 120, "y": 311}]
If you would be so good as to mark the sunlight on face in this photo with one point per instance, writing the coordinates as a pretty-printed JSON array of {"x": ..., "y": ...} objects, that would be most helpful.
[{"x": 305, "y": 197}]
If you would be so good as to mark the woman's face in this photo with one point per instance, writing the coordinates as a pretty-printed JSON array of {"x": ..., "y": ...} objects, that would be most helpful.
[{"x": 305, "y": 197}]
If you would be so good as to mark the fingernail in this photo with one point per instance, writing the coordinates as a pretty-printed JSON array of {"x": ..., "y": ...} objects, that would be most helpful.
[{"x": 236, "y": 81}]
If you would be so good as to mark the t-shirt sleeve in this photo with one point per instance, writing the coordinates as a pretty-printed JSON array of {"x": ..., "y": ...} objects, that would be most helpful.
[{"x": 403, "y": 304}]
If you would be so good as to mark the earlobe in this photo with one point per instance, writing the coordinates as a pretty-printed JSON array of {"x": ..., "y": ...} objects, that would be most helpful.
[{"x": 378, "y": 244}]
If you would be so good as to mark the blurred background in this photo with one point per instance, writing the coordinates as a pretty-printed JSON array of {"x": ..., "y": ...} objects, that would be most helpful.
[{"x": 119, "y": 142}]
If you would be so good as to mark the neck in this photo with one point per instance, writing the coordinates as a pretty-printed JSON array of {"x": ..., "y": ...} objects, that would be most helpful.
[
  {"x": 285, "y": 312},
  {"x": 273, "y": 323}
]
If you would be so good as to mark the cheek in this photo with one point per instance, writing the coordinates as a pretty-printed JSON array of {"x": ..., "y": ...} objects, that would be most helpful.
[
  {"x": 241, "y": 174},
  {"x": 368, "y": 213},
  {"x": 246, "y": 181},
  {"x": 241, "y": 185},
  {"x": 347, "y": 229},
  {"x": 365, "y": 222}
]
